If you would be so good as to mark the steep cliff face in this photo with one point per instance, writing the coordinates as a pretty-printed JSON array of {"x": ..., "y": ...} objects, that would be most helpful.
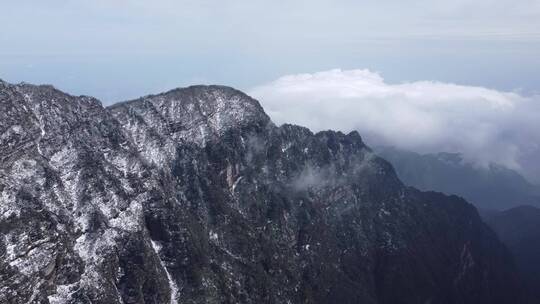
[{"x": 194, "y": 196}]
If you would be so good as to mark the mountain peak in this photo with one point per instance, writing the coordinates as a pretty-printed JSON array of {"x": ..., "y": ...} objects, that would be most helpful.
[
  {"x": 194, "y": 113},
  {"x": 198, "y": 95}
]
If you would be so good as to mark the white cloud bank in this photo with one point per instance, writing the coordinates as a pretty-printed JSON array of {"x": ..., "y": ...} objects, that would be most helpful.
[{"x": 484, "y": 125}]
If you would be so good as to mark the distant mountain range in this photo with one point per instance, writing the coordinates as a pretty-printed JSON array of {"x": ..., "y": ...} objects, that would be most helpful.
[{"x": 492, "y": 188}]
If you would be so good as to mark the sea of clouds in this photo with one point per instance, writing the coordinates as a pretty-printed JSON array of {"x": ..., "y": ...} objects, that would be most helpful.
[{"x": 484, "y": 125}]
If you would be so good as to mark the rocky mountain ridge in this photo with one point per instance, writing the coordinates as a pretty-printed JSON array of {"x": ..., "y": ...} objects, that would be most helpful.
[{"x": 195, "y": 196}]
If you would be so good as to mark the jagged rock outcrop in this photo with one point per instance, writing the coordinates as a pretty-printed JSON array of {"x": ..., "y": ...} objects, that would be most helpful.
[{"x": 195, "y": 196}]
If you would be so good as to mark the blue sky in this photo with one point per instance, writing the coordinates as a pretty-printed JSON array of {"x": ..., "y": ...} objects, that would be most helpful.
[{"x": 117, "y": 50}]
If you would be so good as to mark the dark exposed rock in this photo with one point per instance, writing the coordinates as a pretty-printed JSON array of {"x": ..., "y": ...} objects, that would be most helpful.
[{"x": 195, "y": 196}]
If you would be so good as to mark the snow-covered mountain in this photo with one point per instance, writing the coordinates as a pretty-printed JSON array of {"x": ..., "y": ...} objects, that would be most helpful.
[{"x": 195, "y": 196}]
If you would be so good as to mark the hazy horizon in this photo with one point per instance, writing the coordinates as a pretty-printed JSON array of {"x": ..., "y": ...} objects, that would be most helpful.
[{"x": 118, "y": 50}]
